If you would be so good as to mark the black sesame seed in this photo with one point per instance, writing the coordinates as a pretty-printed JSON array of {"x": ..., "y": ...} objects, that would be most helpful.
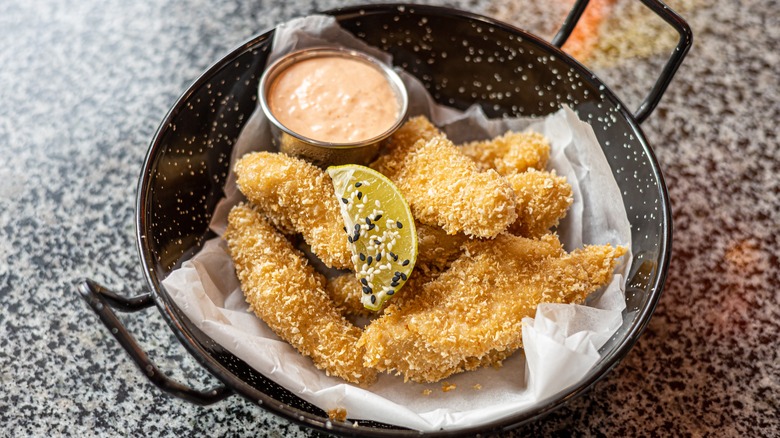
[
  {"x": 395, "y": 257},
  {"x": 349, "y": 239},
  {"x": 394, "y": 284},
  {"x": 406, "y": 262},
  {"x": 358, "y": 184},
  {"x": 357, "y": 236},
  {"x": 390, "y": 292},
  {"x": 362, "y": 257},
  {"x": 367, "y": 290},
  {"x": 357, "y": 227},
  {"x": 368, "y": 221},
  {"x": 399, "y": 224},
  {"x": 360, "y": 195},
  {"x": 364, "y": 281},
  {"x": 373, "y": 299},
  {"x": 370, "y": 259},
  {"x": 345, "y": 200},
  {"x": 377, "y": 217},
  {"x": 377, "y": 242},
  {"x": 403, "y": 276},
  {"x": 371, "y": 227},
  {"x": 345, "y": 229},
  {"x": 379, "y": 257}
]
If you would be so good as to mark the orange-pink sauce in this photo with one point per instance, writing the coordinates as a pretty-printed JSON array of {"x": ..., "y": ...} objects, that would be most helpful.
[{"x": 333, "y": 99}]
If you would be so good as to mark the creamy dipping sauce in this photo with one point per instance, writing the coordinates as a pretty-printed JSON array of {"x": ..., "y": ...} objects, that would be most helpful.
[{"x": 333, "y": 99}]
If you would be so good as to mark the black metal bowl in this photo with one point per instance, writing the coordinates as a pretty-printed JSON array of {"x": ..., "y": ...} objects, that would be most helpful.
[{"x": 187, "y": 163}]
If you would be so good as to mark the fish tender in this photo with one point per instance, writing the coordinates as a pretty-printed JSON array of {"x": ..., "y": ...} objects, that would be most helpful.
[
  {"x": 297, "y": 197},
  {"x": 345, "y": 291},
  {"x": 283, "y": 290},
  {"x": 510, "y": 153},
  {"x": 435, "y": 248},
  {"x": 471, "y": 315},
  {"x": 402, "y": 143},
  {"x": 444, "y": 188},
  {"x": 542, "y": 200}
]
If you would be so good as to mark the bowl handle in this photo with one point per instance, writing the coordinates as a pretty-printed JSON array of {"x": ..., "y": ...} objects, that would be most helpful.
[
  {"x": 101, "y": 300},
  {"x": 676, "y": 58}
]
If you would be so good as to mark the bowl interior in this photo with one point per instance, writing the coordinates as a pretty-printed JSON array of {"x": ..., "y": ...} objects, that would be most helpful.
[{"x": 462, "y": 59}]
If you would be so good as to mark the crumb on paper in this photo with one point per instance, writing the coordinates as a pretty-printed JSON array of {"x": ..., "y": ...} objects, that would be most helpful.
[
  {"x": 477, "y": 387},
  {"x": 447, "y": 386},
  {"x": 337, "y": 414},
  {"x": 427, "y": 391}
]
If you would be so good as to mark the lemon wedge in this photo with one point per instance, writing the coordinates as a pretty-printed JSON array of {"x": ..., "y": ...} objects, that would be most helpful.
[{"x": 379, "y": 228}]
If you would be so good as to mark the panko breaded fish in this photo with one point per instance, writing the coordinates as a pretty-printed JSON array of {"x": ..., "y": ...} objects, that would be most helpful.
[
  {"x": 510, "y": 153},
  {"x": 283, "y": 290},
  {"x": 297, "y": 197},
  {"x": 437, "y": 249},
  {"x": 402, "y": 142},
  {"x": 345, "y": 291},
  {"x": 542, "y": 200},
  {"x": 444, "y": 188},
  {"x": 471, "y": 314}
]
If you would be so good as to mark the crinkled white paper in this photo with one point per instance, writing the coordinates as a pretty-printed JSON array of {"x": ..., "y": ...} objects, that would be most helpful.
[{"x": 561, "y": 342}]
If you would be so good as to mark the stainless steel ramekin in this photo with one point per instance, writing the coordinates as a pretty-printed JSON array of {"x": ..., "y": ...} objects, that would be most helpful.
[{"x": 320, "y": 152}]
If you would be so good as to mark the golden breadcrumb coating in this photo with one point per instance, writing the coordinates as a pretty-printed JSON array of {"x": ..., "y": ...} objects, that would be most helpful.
[
  {"x": 443, "y": 187},
  {"x": 542, "y": 200},
  {"x": 283, "y": 290},
  {"x": 510, "y": 153},
  {"x": 471, "y": 315},
  {"x": 345, "y": 291},
  {"x": 402, "y": 143},
  {"x": 297, "y": 197},
  {"x": 337, "y": 414},
  {"x": 437, "y": 249}
]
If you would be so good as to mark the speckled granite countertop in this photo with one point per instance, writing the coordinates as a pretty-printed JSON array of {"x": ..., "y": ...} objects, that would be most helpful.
[{"x": 84, "y": 84}]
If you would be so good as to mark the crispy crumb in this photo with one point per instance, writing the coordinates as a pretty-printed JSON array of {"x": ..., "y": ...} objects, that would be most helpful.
[
  {"x": 337, "y": 414},
  {"x": 296, "y": 197},
  {"x": 510, "y": 153},
  {"x": 443, "y": 186},
  {"x": 446, "y": 189},
  {"x": 542, "y": 200},
  {"x": 476, "y": 387},
  {"x": 471, "y": 315},
  {"x": 283, "y": 290},
  {"x": 427, "y": 391},
  {"x": 447, "y": 386}
]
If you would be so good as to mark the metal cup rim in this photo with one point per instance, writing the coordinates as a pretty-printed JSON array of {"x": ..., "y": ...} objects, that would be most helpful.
[{"x": 284, "y": 62}]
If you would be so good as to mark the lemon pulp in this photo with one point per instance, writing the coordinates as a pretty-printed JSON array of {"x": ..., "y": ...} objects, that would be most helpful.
[{"x": 379, "y": 229}]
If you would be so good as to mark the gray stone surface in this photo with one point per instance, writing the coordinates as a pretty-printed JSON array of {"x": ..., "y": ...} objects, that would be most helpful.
[{"x": 84, "y": 84}]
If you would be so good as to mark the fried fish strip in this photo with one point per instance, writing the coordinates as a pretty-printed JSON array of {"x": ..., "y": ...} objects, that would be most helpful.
[
  {"x": 345, "y": 291},
  {"x": 283, "y": 290},
  {"x": 297, "y": 197},
  {"x": 402, "y": 143},
  {"x": 437, "y": 249},
  {"x": 444, "y": 188},
  {"x": 471, "y": 314},
  {"x": 542, "y": 200},
  {"x": 510, "y": 153}
]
